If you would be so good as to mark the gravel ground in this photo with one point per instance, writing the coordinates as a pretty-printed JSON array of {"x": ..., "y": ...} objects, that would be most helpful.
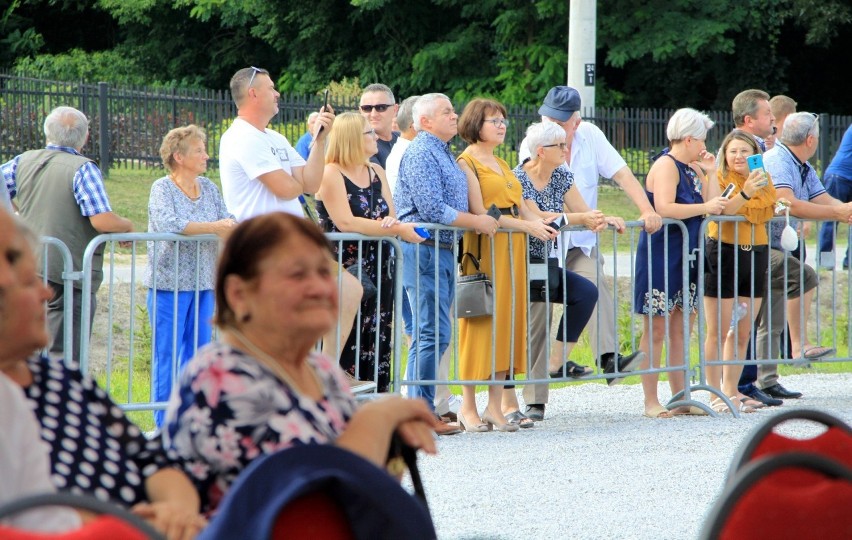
[{"x": 596, "y": 468}]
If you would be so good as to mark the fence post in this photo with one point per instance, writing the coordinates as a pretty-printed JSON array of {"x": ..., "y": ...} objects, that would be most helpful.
[
  {"x": 103, "y": 127},
  {"x": 823, "y": 143}
]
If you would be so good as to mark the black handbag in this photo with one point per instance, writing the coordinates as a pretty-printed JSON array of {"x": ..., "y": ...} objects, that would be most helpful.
[
  {"x": 547, "y": 290},
  {"x": 367, "y": 284},
  {"x": 474, "y": 293}
]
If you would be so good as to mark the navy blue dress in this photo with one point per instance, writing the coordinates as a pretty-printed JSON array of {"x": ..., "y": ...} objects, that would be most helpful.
[{"x": 659, "y": 295}]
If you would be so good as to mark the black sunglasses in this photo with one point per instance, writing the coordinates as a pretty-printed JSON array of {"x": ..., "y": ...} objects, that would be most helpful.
[{"x": 379, "y": 108}]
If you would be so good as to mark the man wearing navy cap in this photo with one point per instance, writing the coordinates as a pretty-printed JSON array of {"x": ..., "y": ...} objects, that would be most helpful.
[{"x": 589, "y": 156}]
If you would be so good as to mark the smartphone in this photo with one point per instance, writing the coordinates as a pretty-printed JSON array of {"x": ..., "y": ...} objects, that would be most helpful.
[
  {"x": 755, "y": 162},
  {"x": 494, "y": 212},
  {"x": 324, "y": 108},
  {"x": 728, "y": 190},
  {"x": 424, "y": 233}
]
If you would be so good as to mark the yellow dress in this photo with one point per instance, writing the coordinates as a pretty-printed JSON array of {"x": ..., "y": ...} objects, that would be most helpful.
[{"x": 475, "y": 353}]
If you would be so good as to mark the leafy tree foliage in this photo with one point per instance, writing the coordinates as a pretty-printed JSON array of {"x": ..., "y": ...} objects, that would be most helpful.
[{"x": 650, "y": 52}]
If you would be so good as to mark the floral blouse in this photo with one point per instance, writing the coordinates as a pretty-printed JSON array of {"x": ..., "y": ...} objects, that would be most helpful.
[
  {"x": 230, "y": 409},
  {"x": 549, "y": 199}
]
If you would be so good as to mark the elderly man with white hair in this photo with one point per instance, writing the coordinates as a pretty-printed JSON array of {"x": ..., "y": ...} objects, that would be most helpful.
[
  {"x": 60, "y": 193},
  {"x": 795, "y": 180}
]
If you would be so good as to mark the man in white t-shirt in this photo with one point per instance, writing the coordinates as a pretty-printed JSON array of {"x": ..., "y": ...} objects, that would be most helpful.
[
  {"x": 590, "y": 156},
  {"x": 261, "y": 172}
]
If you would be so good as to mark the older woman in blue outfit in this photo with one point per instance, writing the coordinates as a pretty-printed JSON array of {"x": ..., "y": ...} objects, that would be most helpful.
[
  {"x": 179, "y": 275},
  {"x": 681, "y": 185}
]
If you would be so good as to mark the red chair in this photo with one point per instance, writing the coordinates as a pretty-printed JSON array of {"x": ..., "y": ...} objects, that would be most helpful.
[
  {"x": 794, "y": 495},
  {"x": 112, "y": 523},
  {"x": 835, "y": 442}
]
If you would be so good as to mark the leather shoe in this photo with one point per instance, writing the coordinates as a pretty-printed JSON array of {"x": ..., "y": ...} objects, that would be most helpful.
[
  {"x": 535, "y": 412},
  {"x": 778, "y": 391},
  {"x": 448, "y": 428},
  {"x": 757, "y": 394}
]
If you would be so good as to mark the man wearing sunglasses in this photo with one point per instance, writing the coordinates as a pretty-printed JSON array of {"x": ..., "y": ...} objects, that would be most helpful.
[{"x": 379, "y": 107}]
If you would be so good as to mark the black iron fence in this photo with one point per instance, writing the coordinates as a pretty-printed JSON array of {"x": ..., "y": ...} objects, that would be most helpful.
[{"x": 127, "y": 124}]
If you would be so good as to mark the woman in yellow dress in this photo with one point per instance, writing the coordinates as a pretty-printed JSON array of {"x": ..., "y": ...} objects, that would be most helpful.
[{"x": 491, "y": 182}]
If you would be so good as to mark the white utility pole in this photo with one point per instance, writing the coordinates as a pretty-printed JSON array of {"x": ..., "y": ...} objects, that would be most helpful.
[{"x": 582, "y": 25}]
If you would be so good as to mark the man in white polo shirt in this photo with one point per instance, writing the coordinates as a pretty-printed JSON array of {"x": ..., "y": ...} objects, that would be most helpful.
[
  {"x": 261, "y": 172},
  {"x": 590, "y": 156}
]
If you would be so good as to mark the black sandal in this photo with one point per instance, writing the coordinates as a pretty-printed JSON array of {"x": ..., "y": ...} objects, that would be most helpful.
[{"x": 573, "y": 370}]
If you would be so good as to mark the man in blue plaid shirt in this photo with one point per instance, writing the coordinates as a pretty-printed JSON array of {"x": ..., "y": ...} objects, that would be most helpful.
[{"x": 60, "y": 193}]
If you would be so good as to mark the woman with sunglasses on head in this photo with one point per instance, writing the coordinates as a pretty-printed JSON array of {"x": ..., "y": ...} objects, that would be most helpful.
[
  {"x": 491, "y": 183},
  {"x": 354, "y": 197}
]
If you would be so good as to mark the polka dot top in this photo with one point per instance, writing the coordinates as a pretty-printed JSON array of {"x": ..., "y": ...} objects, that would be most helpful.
[{"x": 94, "y": 448}]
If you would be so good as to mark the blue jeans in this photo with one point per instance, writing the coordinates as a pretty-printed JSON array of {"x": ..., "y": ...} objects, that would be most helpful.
[
  {"x": 178, "y": 329},
  {"x": 841, "y": 189},
  {"x": 431, "y": 323}
]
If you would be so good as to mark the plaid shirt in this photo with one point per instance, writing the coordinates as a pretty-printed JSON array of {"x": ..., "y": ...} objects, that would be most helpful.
[{"x": 89, "y": 191}]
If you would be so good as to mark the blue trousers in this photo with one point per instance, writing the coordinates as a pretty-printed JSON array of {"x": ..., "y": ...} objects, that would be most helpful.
[
  {"x": 174, "y": 336},
  {"x": 841, "y": 189},
  {"x": 431, "y": 323}
]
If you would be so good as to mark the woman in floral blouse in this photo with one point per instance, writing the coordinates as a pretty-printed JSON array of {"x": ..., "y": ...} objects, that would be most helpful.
[{"x": 263, "y": 388}]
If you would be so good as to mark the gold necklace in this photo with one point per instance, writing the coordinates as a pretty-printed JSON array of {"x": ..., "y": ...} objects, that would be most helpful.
[
  {"x": 185, "y": 192},
  {"x": 274, "y": 365}
]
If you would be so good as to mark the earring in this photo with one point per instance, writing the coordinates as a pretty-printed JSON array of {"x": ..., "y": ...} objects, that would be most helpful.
[{"x": 246, "y": 317}]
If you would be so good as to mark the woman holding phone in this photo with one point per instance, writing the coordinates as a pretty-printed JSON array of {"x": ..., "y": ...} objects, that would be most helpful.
[{"x": 736, "y": 262}]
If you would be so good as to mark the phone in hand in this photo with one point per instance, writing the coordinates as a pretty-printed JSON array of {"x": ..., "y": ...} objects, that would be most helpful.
[
  {"x": 728, "y": 190},
  {"x": 755, "y": 162},
  {"x": 494, "y": 212},
  {"x": 423, "y": 233},
  {"x": 324, "y": 108}
]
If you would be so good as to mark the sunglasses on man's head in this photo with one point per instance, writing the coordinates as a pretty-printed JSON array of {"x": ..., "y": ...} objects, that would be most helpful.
[
  {"x": 379, "y": 108},
  {"x": 254, "y": 72}
]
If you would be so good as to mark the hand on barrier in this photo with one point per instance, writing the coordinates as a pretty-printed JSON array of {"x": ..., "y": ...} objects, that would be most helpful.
[
  {"x": 407, "y": 233},
  {"x": 485, "y": 224},
  {"x": 617, "y": 223},
  {"x": 652, "y": 221},
  {"x": 594, "y": 220},
  {"x": 540, "y": 228}
]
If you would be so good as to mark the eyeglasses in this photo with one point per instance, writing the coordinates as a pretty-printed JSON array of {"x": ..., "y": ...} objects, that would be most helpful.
[
  {"x": 379, "y": 108},
  {"x": 498, "y": 121},
  {"x": 370, "y": 132},
  {"x": 254, "y": 73},
  {"x": 561, "y": 145}
]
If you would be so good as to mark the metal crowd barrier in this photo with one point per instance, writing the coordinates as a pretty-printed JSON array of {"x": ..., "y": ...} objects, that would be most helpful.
[
  {"x": 49, "y": 243},
  {"x": 617, "y": 258}
]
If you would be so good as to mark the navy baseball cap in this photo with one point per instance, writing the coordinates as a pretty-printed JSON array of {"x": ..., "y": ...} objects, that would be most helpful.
[{"x": 560, "y": 103}]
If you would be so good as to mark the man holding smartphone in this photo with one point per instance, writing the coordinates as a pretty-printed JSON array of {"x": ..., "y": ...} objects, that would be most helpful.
[{"x": 262, "y": 173}]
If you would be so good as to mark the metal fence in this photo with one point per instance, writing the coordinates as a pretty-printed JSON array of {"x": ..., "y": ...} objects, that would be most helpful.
[
  {"x": 123, "y": 323},
  {"x": 128, "y": 123}
]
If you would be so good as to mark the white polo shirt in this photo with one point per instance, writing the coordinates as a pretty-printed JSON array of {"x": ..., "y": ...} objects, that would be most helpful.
[
  {"x": 245, "y": 153},
  {"x": 592, "y": 157}
]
